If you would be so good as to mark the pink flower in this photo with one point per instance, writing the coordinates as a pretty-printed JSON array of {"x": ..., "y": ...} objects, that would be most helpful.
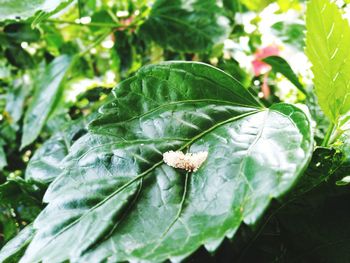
[
  {"x": 259, "y": 66},
  {"x": 126, "y": 22}
]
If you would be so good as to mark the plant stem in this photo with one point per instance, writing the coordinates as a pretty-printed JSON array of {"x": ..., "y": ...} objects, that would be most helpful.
[
  {"x": 97, "y": 41},
  {"x": 91, "y": 24},
  {"x": 328, "y": 135},
  {"x": 79, "y": 8}
]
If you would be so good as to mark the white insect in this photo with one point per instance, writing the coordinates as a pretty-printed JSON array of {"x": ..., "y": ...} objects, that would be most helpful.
[{"x": 189, "y": 161}]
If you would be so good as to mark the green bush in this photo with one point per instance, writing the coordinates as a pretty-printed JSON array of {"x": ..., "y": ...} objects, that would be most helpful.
[{"x": 195, "y": 131}]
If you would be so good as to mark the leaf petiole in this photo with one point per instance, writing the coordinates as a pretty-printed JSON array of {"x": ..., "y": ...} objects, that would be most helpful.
[{"x": 327, "y": 138}]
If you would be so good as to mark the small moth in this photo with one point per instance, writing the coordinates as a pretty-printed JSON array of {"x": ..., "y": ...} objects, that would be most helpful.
[{"x": 189, "y": 161}]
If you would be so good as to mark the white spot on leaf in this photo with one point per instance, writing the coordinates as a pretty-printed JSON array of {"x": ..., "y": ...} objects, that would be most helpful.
[{"x": 189, "y": 161}]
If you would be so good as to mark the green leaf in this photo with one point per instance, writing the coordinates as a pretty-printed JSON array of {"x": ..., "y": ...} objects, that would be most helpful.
[
  {"x": 3, "y": 161},
  {"x": 8, "y": 225},
  {"x": 19, "y": 57},
  {"x": 22, "y": 198},
  {"x": 186, "y": 26},
  {"x": 280, "y": 65},
  {"x": 327, "y": 46},
  {"x": 256, "y": 5},
  {"x": 21, "y": 32},
  {"x": 19, "y": 205},
  {"x": 15, "y": 247},
  {"x": 116, "y": 199},
  {"x": 45, "y": 165},
  {"x": 23, "y": 9},
  {"x": 47, "y": 93},
  {"x": 232, "y": 6},
  {"x": 16, "y": 96}
]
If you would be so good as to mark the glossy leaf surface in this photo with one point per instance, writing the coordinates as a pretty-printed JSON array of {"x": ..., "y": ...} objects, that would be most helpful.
[{"x": 116, "y": 200}]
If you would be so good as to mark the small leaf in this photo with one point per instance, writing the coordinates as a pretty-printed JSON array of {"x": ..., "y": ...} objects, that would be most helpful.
[
  {"x": 327, "y": 46},
  {"x": 280, "y": 65},
  {"x": 186, "y": 26},
  {"x": 117, "y": 200},
  {"x": 47, "y": 92}
]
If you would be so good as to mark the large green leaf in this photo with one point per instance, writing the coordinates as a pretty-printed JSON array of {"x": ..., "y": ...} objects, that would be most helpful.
[
  {"x": 116, "y": 200},
  {"x": 23, "y": 9},
  {"x": 46, "y": 95},
  {"x": 327, "y": 46},
  {"x": 188, "y": 26}
]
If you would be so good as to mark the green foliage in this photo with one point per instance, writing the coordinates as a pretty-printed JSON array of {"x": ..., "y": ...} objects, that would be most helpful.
[
  {"x": 256, "y": 5},
  {"x": 46, "y": 96},
  {"x": 19, "y": 32},
  {"x": 188, "y": 26},
  {"x": 291, "y": 33},
  {"x": 280, "y": 65},
  {"x": 3, "y": 161},
  {"x": 23, "y": 9},
  {"x": 13, "y": 250},
  {"x": 194, "y": 108},
  {"x": 92, "y": 98},
  {"x": 45, "y": 165},
  {"x": 277, "y": 237},
  {"x": 327, "y": 38}
]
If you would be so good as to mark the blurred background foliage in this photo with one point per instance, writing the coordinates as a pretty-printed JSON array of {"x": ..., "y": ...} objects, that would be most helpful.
[{"x": 58, "y": 65}]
